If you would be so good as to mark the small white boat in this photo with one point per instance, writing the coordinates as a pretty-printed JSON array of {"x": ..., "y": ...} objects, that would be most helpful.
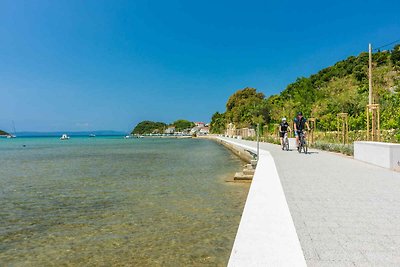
[
  {"x": 92, "y": 135},
  {"x": 127, "y": 136},
  {"x": 64, "y": 137},
  {"x": 15, "y": 133}
]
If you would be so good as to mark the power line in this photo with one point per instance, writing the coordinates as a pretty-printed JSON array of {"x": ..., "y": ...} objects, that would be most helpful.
[{"x": 375, "y": 49}]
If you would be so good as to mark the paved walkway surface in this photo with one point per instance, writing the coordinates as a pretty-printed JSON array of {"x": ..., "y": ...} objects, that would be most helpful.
[
  {"x": 346, "y": 212},
  {"x": 266, "y": 216}
]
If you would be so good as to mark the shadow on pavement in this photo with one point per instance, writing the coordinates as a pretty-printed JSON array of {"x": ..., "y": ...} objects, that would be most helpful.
[
  {"x": 312, "y": 152},
  {"x": 295, "y": 150}
]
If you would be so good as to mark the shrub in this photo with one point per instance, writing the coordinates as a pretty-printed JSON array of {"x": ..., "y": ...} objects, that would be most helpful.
[{"x": 347, "y": 149}]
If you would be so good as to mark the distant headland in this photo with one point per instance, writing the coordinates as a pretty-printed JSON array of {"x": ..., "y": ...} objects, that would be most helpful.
[
  {"x": 178, "y": 127},
  {"x": 3, "y": 133}
]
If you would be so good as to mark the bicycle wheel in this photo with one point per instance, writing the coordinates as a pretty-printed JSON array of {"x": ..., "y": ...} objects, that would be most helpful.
[
  {"x": 305, "y": 148},
  {"x": 287, "y": 144}
]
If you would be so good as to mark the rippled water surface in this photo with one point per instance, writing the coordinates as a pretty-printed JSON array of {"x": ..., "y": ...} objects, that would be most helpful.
[{"x": 113, "y": 201}]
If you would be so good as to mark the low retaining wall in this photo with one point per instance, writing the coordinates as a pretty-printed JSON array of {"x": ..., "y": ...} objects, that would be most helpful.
[
  {"x": 238, "y": 151},
  {"x": 385, "y": 155},
  {"x": 266, "y": 234}
]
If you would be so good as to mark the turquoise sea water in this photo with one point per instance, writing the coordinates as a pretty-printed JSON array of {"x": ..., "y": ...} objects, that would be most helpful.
[{"x": 109, "y": 201}]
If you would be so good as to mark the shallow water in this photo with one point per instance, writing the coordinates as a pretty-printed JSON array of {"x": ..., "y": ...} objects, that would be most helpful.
[{"x": 113, "y": 201}]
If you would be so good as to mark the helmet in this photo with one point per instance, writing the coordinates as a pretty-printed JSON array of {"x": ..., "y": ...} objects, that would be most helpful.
[
  {"x": 299, "y": 113},
  {"x": 283, "y": 119}
]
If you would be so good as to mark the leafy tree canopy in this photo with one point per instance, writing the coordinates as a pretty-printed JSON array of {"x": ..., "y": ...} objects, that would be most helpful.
[
  {"x": 3, "y": 133},
  {"x": 395, "y": 57},
  {"x": 218, "y": 123},
  {"x": 244, "y": 106},
  {"x": 246, "y": 96},
  {"x": 181, "y": 125},
  {"x": 148, "y": 127}
]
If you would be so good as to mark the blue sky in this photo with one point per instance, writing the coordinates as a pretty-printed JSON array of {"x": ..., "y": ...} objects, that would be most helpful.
[{"x": 95, "y": 65}]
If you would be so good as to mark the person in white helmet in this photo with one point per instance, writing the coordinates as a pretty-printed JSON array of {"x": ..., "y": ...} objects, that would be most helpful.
[{"x": 283, "y": 129}]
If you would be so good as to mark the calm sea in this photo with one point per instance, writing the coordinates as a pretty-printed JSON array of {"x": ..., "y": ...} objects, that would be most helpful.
[{"x": 109, "y": 201}]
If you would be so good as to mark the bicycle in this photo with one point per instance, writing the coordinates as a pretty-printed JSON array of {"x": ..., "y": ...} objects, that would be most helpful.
[
  {"x": 285, "y": 142},
  {"x": 302, "y": 143}
]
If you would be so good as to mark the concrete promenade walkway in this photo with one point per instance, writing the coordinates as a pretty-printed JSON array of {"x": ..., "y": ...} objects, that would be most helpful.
[
  {"x": 345, "y": 212},
  {"x": 266, "y": 216}
]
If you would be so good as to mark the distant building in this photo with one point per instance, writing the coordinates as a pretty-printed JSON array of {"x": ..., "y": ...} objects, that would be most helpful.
[
  {"x": 195, "y": 130},
  {"x": 232, "y": 131},
  {"x": 170, "y": 130},
  {"x": 187, "y": 131},
  {"x": 204, "y": 131},
  {"x": 200, "y": 128}
]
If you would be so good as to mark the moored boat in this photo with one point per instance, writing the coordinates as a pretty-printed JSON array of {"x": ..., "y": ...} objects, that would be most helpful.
[{"x": 64, "y": 137}]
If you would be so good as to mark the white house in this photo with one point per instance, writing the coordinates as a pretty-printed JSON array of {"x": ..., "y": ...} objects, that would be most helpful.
[
  {"x": 200, "y": 124},
  {"x": 170, "y": 130},
  {"x": 204, "y": 131}
]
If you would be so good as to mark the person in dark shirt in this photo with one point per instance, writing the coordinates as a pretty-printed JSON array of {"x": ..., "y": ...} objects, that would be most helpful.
[
  {"x": 299, "y": 124},
  {"x": 283, "y": 129}
]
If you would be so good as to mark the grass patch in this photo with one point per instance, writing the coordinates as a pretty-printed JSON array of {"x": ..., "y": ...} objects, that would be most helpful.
[{"x": 347, "y": 149}]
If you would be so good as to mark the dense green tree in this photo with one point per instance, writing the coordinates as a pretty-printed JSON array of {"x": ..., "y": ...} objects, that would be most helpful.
[
  {"x": 244, "y": 106},
  {"x": 243, "y": 97},
  {"x": 3, "y": 133},
  {"x": 148, "y": 127},
  {"x": 218, "y": 123},
  {"x": 181, "y": 125},
  {"x": 395, "y": 56},
  {"x": 381, "y": 58}
]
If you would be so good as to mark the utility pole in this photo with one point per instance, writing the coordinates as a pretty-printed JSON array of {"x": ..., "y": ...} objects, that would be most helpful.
[
  {"x": 370, "y": 100},
  {"x": 370, "y": 74},
  {"x": 372, "y": 108}
]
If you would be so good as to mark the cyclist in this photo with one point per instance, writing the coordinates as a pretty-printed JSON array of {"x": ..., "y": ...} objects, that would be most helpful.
[
  {"x": 283, "y": 129},
  {"x": 299, "y": 124}
]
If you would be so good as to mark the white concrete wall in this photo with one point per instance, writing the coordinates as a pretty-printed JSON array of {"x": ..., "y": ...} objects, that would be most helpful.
[
  {"x": 386, "y": 155},
  {"x": 396, "y": 159},
  {"x": 266, "y": 234}
]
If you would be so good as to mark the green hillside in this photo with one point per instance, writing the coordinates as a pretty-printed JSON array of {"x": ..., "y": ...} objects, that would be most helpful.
[
  {"x": 342, "y": 87},
  {"x": 3, "y": 133},
  {"x": 148, "y": 127}
]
